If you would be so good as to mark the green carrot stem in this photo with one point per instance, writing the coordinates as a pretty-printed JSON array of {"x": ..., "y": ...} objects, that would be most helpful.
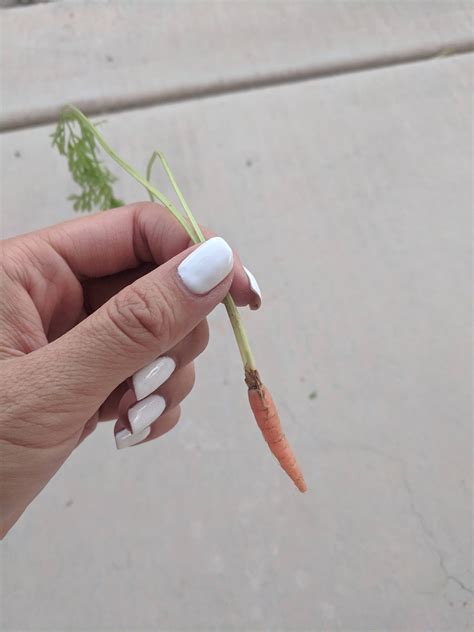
[
  {"x": 131, "y": 171},
  {"x": 148, "y": 173},
  {"x": 232, "y": 311},
  {"x": 240, "y": 334},
  {"x": 174, "y": 184}
]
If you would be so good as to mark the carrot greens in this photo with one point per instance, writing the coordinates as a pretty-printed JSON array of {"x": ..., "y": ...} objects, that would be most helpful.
[{"x": 75, "y": 140}]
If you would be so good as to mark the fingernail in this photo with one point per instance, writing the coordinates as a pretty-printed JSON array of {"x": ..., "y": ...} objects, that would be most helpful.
[
  {"x": 124, "y": 438},
  {"x": 152, "y": 376},
  {"x": 144, "y": 413},
  {"x": 206, "y": 266},
  {"x": 255, "y": 289}
]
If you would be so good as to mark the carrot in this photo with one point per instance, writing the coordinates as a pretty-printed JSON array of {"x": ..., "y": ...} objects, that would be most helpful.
[{"x": 268, "y": 420}]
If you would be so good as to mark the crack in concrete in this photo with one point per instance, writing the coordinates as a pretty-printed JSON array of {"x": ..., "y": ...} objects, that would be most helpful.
[
  {"x": 428, "y": 534},
  {"x": 453, "y": 578}
]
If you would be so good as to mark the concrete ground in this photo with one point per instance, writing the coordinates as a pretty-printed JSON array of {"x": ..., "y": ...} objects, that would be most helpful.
[{"x": 331, "y": 144}]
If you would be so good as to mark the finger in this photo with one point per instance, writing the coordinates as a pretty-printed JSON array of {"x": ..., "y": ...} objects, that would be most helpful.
[
  {"x": 136, "y": 416},
  {"x": 178, "y": 387},
  {"x": 244, "y": 289},
  {"x": 149, "y": 378},
  {"x": 105, "y": 244},
  {"x": 140, "y": 323},
  {"x": 98, "y": 291},
  {"x": 124, "y": 438},
  {"x": 165, "y": 424},
  {"x": 189, "y": 348},
  {"x": 109, "y": 409}
]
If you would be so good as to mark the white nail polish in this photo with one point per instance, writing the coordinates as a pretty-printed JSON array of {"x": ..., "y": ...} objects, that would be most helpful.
[
  {"x": 255, "y": 289},
  {"x": 152, "y": 376},
  {"x": 124, "y": 438},
  {"x": 145, "y": 412},
  {"x": 206, "y": 266}
]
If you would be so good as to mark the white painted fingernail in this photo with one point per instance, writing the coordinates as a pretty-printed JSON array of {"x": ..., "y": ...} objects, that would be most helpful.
[
  {"x": 255, "y": 289},
  {"x": 124, "y": 438},
  {"x": 206, "y": 266},
  {"x": 152, "y": 376},
  {"x": 145, "y": 412}
]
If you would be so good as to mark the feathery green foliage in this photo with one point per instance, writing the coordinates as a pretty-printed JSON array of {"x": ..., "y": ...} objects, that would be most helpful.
[{"x": 76, "y": 141}]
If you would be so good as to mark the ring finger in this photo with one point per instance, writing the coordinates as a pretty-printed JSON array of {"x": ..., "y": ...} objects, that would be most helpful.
[
  {"x": 148, "y": 379},
  {"x": 165, "y": 423},
  {"x": 151, "y": 377},
  {"x": 135, "y": 417}
]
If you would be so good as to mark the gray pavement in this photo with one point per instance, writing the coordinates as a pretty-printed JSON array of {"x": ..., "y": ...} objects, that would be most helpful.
[{"x": 350, "y": 198}]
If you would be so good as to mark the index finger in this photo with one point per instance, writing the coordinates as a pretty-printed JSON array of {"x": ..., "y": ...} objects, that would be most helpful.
[{"x": 110, "y": 242}]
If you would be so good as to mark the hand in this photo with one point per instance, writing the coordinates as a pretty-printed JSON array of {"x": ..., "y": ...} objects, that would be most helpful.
[{"x": 86, "y": 305}]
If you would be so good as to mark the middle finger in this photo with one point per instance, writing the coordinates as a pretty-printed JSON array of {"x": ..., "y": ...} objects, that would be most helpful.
[
  {"x": 146, "y": 380},
  {"x": 138, "y": 415}
]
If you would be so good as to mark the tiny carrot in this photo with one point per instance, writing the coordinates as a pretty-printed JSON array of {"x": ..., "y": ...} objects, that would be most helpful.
[{"x": 268, "y": 420}]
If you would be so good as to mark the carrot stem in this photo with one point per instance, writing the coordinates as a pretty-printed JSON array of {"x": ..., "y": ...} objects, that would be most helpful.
[
  {"x": 177, "y": 190},
  {"x": 240, "y": 334},
  {"x": 131, "y": 171},
  {"x": 232, "y": 311}
]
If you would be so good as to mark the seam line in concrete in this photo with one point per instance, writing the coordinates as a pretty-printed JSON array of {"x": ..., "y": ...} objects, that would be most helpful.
[{"x": 212, "y": 90}]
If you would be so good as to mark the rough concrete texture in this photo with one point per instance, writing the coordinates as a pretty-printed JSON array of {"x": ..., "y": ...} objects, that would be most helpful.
[
  {"x": 350, "y": 200},
  {"x": 111, "y": 55}
]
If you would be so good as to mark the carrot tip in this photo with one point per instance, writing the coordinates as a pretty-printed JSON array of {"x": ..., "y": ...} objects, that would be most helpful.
[{"x": 300, "y": 483}]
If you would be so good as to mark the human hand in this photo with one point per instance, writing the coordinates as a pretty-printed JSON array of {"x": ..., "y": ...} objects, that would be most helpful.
[{"x": 97, "y": 313}]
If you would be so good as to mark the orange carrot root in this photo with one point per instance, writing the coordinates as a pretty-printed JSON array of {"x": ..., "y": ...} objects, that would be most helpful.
[{"x": 266, "y": 416}]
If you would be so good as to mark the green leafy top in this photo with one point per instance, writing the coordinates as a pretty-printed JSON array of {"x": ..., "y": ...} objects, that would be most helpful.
[{"x": 75, "y": 140}]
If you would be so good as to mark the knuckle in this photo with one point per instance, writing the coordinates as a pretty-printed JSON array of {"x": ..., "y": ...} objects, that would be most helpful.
[{"x": 140, "y": 313}]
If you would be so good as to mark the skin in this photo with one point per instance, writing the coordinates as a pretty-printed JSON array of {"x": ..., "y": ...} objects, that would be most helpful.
[{"x": 84, "y": 305}]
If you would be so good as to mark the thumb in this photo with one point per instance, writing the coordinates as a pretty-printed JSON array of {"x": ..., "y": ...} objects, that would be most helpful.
[{"x": 142, "y": 321}]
